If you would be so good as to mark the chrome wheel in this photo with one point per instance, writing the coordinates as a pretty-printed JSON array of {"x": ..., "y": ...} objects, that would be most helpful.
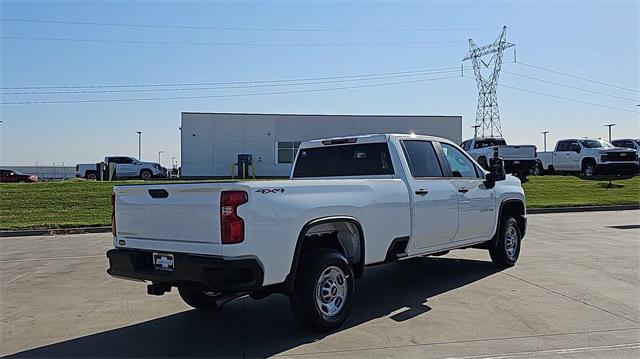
[
  {"x": 146, "y": 175},
  {"x": 588, "y": 171},
  {"x": 511, "y": 239},
  {"x": 331, "y": 291}
]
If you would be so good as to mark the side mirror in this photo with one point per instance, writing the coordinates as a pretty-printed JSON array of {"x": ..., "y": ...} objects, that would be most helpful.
[{"x": 496, "y": 172}]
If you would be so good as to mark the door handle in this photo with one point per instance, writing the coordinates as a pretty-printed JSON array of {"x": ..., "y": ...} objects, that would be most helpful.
[
  {"x": 422, "y": 192},
  {"x": 463, "y": 190}
]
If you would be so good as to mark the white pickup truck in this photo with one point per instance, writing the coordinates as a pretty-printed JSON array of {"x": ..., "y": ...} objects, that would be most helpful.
[
  {"x": 589, "y": 156},
  {"x": 349, "y": 203},
  {"x": 126, "y": 167},
  {"x": 518, "y": 159}
]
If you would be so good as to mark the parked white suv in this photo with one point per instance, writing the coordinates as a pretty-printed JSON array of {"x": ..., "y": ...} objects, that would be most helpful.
[
  {"x": 126, "y": 167},
  {"x": 349, "y": 203},
  {"x": 589, "y": 156}
]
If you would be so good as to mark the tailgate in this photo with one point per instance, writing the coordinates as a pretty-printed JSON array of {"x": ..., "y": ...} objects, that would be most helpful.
[
  {"x": 173, "y": 218},
  {"x": 525, "y": 152}
]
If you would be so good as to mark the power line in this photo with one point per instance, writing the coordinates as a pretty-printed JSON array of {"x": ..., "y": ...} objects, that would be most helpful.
[
  {"x": 235, "y": 82},
  {"x": 588, "y": 47},
  {"x": 571, "y": 87},
  {"x": 227, "y": 95},
  {"x": 568, "y": 99},
  {"x": 577, "y": 77},
  {"x": 248, "y": 44},
  {"x": 199, "y": 27},
  {"x": 223, "y": 87},
  {"x": 575, "y": 63},
  {"x": 562, "y": 97}
]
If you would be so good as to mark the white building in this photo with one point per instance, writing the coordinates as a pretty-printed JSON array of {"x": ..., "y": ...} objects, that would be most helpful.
[{"x": 211, "y": 142}]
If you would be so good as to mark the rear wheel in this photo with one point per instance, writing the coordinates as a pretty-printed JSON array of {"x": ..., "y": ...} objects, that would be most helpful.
[
  {"x": 199, "y": 299},
  {"x": 91, "y": 175},
  {"x": 324, "y": 290},
  {"x": 145, "y": 175},
  {"x": 506, "y": 251}
]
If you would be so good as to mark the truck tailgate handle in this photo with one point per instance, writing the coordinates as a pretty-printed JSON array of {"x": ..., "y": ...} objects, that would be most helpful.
[
  {"x": 422, "y": 192},
  {"x": 158, "y": 193},
  {"x": 463, "y": 190}
]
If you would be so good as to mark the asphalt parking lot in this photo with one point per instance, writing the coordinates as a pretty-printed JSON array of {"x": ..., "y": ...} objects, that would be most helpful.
[{"x": 574, "y": 293}]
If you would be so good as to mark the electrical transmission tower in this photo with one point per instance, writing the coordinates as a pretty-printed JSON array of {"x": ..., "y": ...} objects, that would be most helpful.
[{"x": 487, "y": 114}]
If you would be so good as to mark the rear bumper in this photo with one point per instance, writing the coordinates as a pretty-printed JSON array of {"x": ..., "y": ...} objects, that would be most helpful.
[
  {"x": 510, "y": 165},
  {"x": 215, "y": 273}
]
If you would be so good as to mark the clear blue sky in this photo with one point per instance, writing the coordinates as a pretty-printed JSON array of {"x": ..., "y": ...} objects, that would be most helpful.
[{"x": 84, "y": 132}]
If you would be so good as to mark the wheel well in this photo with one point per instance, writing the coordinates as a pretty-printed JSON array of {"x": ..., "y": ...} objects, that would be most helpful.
[
  {"x": 88, "y": 172},
  {"x": 587, "y": 160},
  {"x": 342, "y": 234},
  {"x": 515, "y": 209},
  {"x": 145, "y": 170}
]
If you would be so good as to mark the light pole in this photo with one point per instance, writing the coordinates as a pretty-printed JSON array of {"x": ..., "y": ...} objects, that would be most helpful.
[
  {"x": 475, "y": 131},
  {"x": 544, "y": 133},
  {"x": 610, "y": 125},
  {"x": 160, "y": 153},
  {"x": 139, "y": 145}
]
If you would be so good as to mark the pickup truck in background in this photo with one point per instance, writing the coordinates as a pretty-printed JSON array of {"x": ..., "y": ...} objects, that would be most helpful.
[
  {"x": 126, "y": 167},
  {"x": 631, "y": 143},
  {"x": 349, "y": 203},
  {"x": 589, "y": 156},
  {"x": 519, "y": 160}
]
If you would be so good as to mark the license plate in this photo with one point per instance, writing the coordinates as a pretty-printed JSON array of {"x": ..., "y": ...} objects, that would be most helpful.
[{"x": 163, "y": 261}]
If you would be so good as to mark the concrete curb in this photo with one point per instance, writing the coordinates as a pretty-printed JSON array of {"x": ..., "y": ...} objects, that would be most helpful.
[
  {"x": 622, "y": 207},
  {"x": 105, "y": 229},
  {"x": 55, "y": 231}
]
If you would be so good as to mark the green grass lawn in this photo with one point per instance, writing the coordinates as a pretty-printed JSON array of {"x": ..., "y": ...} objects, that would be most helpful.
[
  {"x": 567, "y": 191},
  {"x": 88, "y": 203}
]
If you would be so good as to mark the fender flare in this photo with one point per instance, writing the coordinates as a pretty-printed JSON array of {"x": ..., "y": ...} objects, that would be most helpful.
[
  {"x": 494, "y": 239},
  {"x": 359, "y": 268}
]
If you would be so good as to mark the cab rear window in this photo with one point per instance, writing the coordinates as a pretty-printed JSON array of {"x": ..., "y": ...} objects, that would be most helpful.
[{"x": 369, "y": 159}]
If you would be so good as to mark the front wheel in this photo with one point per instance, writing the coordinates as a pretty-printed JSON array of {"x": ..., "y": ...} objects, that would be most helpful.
[
  {"x": 324, "y": 290},
  {"x": 198, "y": 298},
  {"x": 589, "y": 169},
  {"x": 506, "y": 251}
]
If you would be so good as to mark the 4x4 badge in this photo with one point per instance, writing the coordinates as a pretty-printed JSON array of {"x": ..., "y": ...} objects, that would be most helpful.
[{"x": 270, "y": 190}]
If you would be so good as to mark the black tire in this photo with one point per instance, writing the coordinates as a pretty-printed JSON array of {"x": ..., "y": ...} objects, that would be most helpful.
[
  {"x": 337, "y": 288},
  {"x": 589, "y": 169},
  {"x": 503, "y": 253},
  {"x": 198, "y": 298},
  {"x": 90, "y": 176},
  {"x": 538, "y": 171},
  {"x": 146, "y": 174},
  {"x": 552, "y": 170}
]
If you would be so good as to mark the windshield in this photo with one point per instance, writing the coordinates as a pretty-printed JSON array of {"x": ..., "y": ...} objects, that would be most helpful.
[
  {"x": 595, "y": 143},
  {"x": 637, "y": 142}
]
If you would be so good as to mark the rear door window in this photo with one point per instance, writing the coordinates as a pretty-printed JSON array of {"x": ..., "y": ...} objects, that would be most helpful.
[
  {"x": 369, "y": 159},
  {"x": 422, "y": 159}
]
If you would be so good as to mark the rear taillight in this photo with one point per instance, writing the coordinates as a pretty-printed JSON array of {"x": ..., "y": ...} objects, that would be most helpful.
[
  {"x": 231, "y": 225},
  {"x": 113, "y": 214}
]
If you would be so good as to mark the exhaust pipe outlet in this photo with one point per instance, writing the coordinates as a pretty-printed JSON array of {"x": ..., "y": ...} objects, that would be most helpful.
[
  {"x": 158, "y": 288},
  {"x": 224, "y": 298}
]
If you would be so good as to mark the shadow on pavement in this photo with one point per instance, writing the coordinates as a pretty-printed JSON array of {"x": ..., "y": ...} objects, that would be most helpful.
[{"x": 261, "y": 328}]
